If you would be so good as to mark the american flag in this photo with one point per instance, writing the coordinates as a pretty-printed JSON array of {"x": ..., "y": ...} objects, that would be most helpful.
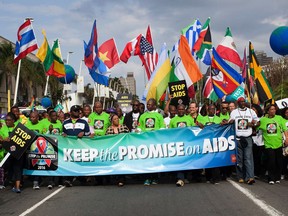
[{"x": 148, "y": 56}]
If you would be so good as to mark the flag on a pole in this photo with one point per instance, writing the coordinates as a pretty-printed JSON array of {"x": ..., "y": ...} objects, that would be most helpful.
[
  {"x": 263, "y": 88},
  {"x": 227, "y": 49},
  {"x": 149, "y": 56},
  {"x": 161, "y": 76},
  {"x": 131, "y": 48},
  {"x": 191, "y": 32},
  {"x": 58, "y": 64},
  {"x": 225, "y": 79},
  {"x": 91, "y": 50},
  {"x": 149, "y": 35},
  {"x": 26, "y": 41},
  {"x": 204, "y": 44},
  {"x": 185, "y": 65},
  {"x": 208, "y": 90},
  {"x": 108, "y": 53},
  {"x": 100, "y": 78},
  {"x": 46, "y": 56}
]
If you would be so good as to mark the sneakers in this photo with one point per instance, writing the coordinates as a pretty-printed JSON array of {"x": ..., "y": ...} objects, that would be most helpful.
[
  {"x": 16, "y": 190},
  {"x": 67, "y": 183},
  {"x": 277, "y": 182},
  {"x": 50, "y": 187},
  {"x": 180, "y": 183},
  {"x": 36, "y": 185},
  {"x": 154, "y": 182},
  {"x": 271, "y": 182},
  {"x": 2, "y": 187},
  {"x": 241, "y": 180},
  {"x": 147, "y": 182},
  {"x": 250, "y": 181},
  {"x": 120, "y": 184}
]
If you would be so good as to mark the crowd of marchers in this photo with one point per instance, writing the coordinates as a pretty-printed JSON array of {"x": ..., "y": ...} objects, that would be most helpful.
[{"x": 261, "y": 137}]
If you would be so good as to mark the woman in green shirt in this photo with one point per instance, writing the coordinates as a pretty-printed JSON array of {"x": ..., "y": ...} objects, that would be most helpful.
[
  {"x": 14, "y": 165},
  {"x": 273, "y": 126}
]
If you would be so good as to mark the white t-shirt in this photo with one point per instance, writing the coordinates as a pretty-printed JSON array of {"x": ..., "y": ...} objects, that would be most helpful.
[
  {"x": 135, "y": 117},
  {"x": 242, "y": 117}
]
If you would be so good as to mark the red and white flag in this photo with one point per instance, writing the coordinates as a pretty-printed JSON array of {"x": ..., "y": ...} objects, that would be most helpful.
[
  {"x": 131, "y": 48},
  {"x": 227, "y": 49}
]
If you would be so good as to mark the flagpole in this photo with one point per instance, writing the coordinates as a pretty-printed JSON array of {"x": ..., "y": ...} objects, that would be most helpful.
[
  {"x": 46, "y": 86},
  {"x": 17, "y": 83}
]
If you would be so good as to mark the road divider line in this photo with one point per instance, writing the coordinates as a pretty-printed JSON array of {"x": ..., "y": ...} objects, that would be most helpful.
[
  {"x": 268, "y": 209},
  {"x": 41, "y": 202}
]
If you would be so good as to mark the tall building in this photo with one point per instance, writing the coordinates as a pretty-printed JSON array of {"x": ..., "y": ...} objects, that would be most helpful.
[
  {"x": 263, "y": 58},
  {"x": 129, "y": 82}
]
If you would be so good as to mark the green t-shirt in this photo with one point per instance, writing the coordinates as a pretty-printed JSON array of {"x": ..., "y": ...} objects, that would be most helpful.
[
  {"x": 207, "y": 120},
  {"x": 39, "y": 128},
  {"x": 57, "y": 127},
  {"x": 99, "y": 122},
  {"x": 272, "y": 129},
  {"x": 4, "y": 133},
  {"x": 224, "y": 117},
  {"x": 183, "y": 121},
  {"x": 121, "y": 120},
  {"x": 151, "y": 121}
]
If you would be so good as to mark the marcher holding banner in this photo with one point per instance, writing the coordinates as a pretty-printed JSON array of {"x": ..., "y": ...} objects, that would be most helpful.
[
  {"x": 244, "y": 119},
  {"x": 273, "y": 126},
  {"x": 149, "y": 121},
  {"x": 117, "y": 128},
  {"x": 131, "y": 119},
  {"x": 98, "y": 120},
  {"x": 13, "y": 165},
  {"x": 181, "y": 120}
]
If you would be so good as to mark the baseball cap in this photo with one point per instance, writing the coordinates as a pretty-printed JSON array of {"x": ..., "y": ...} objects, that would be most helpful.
[
  {"x": 75, "y": 108},
  {"x": 240, "y": 99}
]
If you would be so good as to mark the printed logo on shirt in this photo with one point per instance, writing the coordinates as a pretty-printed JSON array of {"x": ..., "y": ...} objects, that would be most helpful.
[
  {"x": 134, "y": 124},
  {"x": 99, "y": 124},
  {"x": 55, "y": 131},
  {"x": 181, "y": 124},
  {"x": 242, "y": 124},
  {"x": 271, "y": 128},
  {"x": 150, "y": 123}
]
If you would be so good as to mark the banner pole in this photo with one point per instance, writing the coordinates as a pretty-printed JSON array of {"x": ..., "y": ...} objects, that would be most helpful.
[
  {"x": 4, "y": 159},
  {"x": 17, "y": 82}
]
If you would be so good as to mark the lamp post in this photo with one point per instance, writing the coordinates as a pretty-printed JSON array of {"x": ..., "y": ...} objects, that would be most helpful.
[{"x": 68, "y": 55}]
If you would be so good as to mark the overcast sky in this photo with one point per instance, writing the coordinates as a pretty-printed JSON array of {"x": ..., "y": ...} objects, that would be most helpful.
[{"x": 71, "y": 22}]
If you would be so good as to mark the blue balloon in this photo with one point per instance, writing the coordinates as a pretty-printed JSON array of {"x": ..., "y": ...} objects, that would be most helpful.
[
  {"x": 46, "y": 102},
  {"x": 279, "y": 40},
  {"x": 70, "y": 75}
]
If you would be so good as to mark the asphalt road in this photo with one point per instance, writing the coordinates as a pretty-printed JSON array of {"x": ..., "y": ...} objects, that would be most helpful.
[{"x": 226, "y": 198}]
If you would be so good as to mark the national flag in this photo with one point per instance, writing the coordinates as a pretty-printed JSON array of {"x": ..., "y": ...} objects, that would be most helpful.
[
  {"x": 91, "y": 50},
  {"x": 159, "y": 82},
  {"x": 108, "y": 53},
  {"x": 149, "y": 35},
  {"x": 225, "y": 79},
  {"x": 263, "y": 88},
  {"x": 32, "y": 104},
  {"x": 58, "y": 64},
  {"x": 227, "y": 49},
  {"x": 131, "y": 48},
  {"x": 99, "y": 78},
  {"x": 204, "y": 44},
  {"x": 26, "y": 41},
  {"x": 185, "y": 65},
  {"x": 191, "y": 32},
  {"x": 149, "y": 56},
  {"x": 46, "y": 56},
  {"x": 208, "y": 90}
]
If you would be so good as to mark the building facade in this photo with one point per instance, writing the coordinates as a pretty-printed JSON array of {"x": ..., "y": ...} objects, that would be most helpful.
[{"x": 129, "y": 82}]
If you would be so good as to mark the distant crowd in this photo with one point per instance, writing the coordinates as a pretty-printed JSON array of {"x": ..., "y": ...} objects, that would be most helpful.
[{"x": 261, "y": 135}]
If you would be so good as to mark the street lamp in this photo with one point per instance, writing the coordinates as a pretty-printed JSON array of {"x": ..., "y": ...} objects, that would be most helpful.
[{"x": 68, "y": 54}]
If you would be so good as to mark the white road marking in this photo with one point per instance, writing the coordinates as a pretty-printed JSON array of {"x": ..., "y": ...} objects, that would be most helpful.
[
  {"x": 41, "y": 202},
  {"x": 269, "y": 210}
]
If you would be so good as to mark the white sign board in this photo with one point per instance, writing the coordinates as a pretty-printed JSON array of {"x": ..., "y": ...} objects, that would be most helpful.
[{"x": 282, "y": 103}]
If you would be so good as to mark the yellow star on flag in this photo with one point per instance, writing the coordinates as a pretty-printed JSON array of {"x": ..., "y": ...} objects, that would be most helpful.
[{"x": 103, "y": 56}]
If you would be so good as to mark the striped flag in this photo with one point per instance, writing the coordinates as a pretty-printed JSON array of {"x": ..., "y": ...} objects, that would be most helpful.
[
  {"x": 149, "y": 56},
  {"x": 204, "y": 44},
  {"x": 208, "y": 90},
  {"x": 263, "y": 88},
  {"x": 191, "y": 33},
  {"x": 26, "y": 41}
]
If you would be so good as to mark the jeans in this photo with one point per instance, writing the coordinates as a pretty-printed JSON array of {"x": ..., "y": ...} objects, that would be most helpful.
[{"x": 245, "y": 164}]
